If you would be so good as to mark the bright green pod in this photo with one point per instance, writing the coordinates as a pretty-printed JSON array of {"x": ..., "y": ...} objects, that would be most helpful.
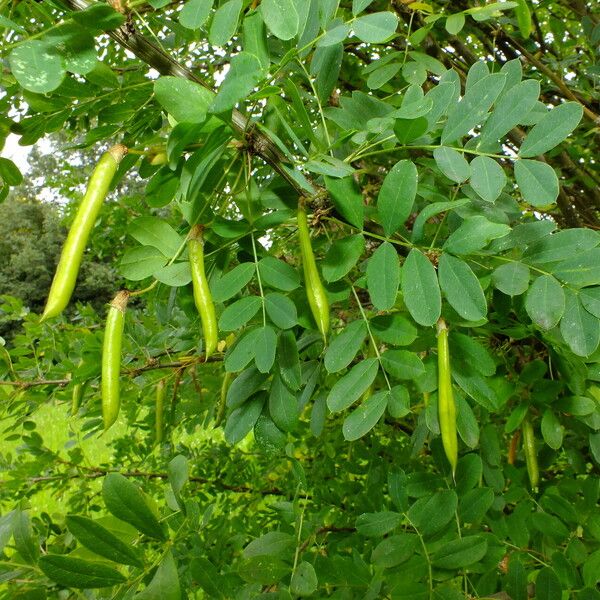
[
  {"x": 111, "y": 359},
  {"x": 67, "y": 270},
  {"x": 202, "y": 295},
  {"x": 315, "y": 292},
  {"x": 446, "y": 403},
  {"x": 530, "y": 454},
  {"x": 77, "y": 395},
  {"x": 76, "y": 398}
]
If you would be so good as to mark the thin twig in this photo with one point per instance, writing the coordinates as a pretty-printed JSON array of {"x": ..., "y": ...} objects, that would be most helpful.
[
  {"x": 133, "y": 372},
  {"x": 96, "y": 473}
]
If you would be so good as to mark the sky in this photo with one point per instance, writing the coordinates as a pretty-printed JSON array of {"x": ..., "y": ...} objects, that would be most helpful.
[{"x": 20, "y": 154}]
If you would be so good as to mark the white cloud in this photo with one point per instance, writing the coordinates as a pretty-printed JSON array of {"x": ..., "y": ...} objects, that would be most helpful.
[{"x": 18, "y": 154}]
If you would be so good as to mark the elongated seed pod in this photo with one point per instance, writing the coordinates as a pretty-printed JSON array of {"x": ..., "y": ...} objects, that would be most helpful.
[
  {"x": 111, "y": 359},
  {"x": 530, "y": 454},
  {"x": 513, "y": 446},
  {"x": 222, "y": 403},
  {"x": 446, "y": 403},
  {"x": 159, "y": 418},
  {"x": 317, "y": 298},
  {"x": 202, "y": 295},
  {"x": 76, "y": 397},
  {"x": 67, "y": 270},
  {"x": 77, "y": 394}
]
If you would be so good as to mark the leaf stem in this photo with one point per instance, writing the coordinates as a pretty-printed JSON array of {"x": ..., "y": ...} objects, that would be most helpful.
[{"x": 373, "y": 343}]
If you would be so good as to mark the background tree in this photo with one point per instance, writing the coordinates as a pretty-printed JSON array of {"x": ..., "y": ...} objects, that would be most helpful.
[
  {"x": 32, "y": 235},
  {"x": 427, "y": 144}
]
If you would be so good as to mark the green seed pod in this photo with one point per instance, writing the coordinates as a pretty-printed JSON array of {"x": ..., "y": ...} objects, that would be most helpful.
[
  {"x": 530, "y": 454},
  {"x": 67, "y": 270},
  {"x": 76, "y": 398},
  {"x": 315, "y": 292},
  {"x": 77, "y": 395},
  {"x": 111, "y": 358},
  {"x": 446, "y": 403},
  {"x": 202, "y": 295}
]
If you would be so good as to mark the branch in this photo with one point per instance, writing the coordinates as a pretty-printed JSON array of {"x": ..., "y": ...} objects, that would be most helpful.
[
  {"x": 564, "y": 204},
  {"x": 96, "y": 473},
  {"x": 179, "y": 364},
  {"x": 540, "y": 34},
  {"x": 560, "y": 84},
  {"x": 133, "y": 372},
  {"x": 27, "y": 384},
  {"x": 581, "y": 172},
  {"x": 504, "y": 38},
  {"x": 258, "y": 142}
]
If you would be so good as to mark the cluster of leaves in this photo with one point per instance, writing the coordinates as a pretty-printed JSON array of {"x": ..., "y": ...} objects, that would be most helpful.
[{"x": 434, "y": 196}]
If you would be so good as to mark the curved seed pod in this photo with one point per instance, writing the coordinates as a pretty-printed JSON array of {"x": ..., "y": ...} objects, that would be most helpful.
[
  {"x": 513, "y": 446},
  {"x": 317, "y": 298},
  {"x": 530, "y": 454},
  {"x": 65, "y": 277},
  {"x": 159, "y": 420},
  {"x": 76, "y": 397},
  {"x": 222, "y": 403},
  {"x": 77, "y": 394},
  {"x": 111, "y": 358},
  {"x": 202, "y": 295},
  {"x": 446, "y": 403}
]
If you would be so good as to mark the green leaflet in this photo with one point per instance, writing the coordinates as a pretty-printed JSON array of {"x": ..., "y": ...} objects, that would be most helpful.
[
  {"x": 461, "y": 288},
  {"x": 552, "y": 129},
  {"x": 353, "y": 385},
  {"x": 383, "y": 276},
  {"x": 545, "y": 302},
  {"x": 473, "y": 107},
  {"x": 397, "y": 195},
  {"x": 280, "y": 17},
  {"x": 420, "y": 289}
]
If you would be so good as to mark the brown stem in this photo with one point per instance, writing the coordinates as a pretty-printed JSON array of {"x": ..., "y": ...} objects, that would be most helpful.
[
  {"x": 179, "y": 364},
  {"x": 513, "y": 447},
  {"x": 558, "y": 81},
  {"x": 27, "y": 384},
  {"x": 258, "y": 142},
  {"x": 96, "y": 472}
]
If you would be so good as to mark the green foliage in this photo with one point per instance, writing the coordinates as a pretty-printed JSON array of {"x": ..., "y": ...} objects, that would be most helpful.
[
  {"x": 444, "y": 153},
  {"x": 30, "y": 247},
  {"x": 32, "y": 237}
]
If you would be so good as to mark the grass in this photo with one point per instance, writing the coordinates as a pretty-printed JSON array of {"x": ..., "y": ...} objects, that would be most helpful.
[{"x": 60, "y": 432}]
